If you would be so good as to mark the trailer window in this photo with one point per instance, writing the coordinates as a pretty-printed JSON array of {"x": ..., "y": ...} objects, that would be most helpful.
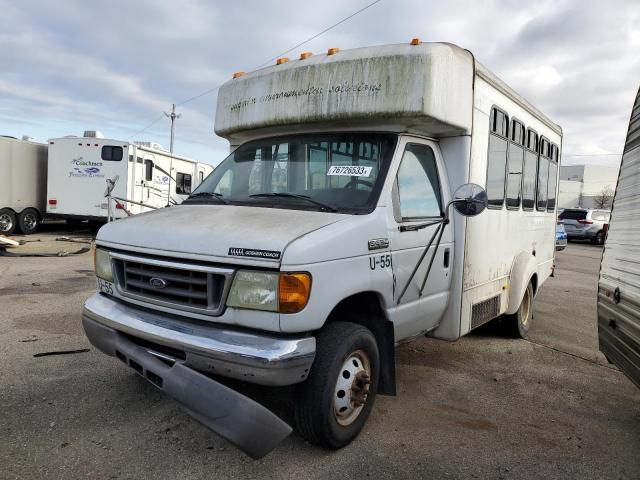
[
  {"x": 418, "y": 183},
  {"x": 111, "y": 153},
  {"x": 183, "y": 183},
  {"x": 148, "y": 170},
  {"x": 530, "y": 170},
  {"x": 515, "y": 160}
]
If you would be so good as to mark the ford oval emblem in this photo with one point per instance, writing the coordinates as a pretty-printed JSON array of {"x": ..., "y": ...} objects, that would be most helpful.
[{"x": 156, "y": 282}]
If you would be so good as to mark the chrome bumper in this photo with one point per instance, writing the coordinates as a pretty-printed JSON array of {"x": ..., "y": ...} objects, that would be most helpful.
[{"x": 261, "y": 359}]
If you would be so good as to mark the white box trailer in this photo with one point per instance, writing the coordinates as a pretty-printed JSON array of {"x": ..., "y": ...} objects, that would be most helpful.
[
  {"x": 349, "y": 217},
  {"x": 80, "y": 166},
  {"x": 619, "y": 283},
  {"x": 23, "y": 183}
]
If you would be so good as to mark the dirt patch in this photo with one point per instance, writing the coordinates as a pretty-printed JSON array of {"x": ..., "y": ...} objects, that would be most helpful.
[
  {"x": 69, "y": 285},
  {"x": 51, "y": 323}
]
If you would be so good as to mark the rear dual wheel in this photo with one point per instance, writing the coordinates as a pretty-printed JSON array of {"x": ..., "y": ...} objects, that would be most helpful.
[
  {"x": 8, "y": 221},
  {"x": 333, "y": 404},
  {"x": 29, "y": 220}
]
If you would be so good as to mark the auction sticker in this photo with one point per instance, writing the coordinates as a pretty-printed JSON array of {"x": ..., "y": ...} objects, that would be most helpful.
[{"x": 350, "y": 171}]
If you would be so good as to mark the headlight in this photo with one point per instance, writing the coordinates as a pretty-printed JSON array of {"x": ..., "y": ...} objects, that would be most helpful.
[
  {"x": 102, "y": 265},
  {"x": 271, "y": 291}
]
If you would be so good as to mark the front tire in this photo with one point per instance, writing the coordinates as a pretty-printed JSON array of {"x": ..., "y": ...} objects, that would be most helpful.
[
  {"x": 29, "y": 220},
  {"x": 7, "y": 221},
  {"x": 599, "y": 238},
  {"x": 517, "y": 325},
  {"x": 333, "y": 404}
]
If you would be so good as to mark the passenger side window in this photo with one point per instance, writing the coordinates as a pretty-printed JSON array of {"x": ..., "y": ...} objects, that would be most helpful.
[
  {"x": 497, "y": 158},
  {"x": 148, "y": 170},
  {"x": 111, "y": 153},
  {"x": 418, "y": 183},
  {"x": 183, "y": 183},
  {"x": 515, "y": 165},
  {"x": 530, "y": 171},
  {"x": 543, "y": 174}
]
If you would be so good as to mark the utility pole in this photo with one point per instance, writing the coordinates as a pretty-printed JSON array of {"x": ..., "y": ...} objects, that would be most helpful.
[{"x": 173, "y": 115}]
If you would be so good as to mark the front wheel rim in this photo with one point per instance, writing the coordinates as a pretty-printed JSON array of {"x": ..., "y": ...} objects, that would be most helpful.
[
  {"x": 526, "y": 309},
  {"x": 352, "y": 388},
  {"x": 6, "y": 222}
]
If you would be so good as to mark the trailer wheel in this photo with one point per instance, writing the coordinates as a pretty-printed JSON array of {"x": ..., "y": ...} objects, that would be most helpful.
[
  {"x": 518, "y": 324},
  {"x": 29, "y": 220},
  {"x": 7, "y": 221},
  {"x": 333, "y": 404}
]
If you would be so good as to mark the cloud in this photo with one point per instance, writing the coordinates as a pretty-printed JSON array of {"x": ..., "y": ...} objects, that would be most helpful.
[{"x": 116, "y": 65}]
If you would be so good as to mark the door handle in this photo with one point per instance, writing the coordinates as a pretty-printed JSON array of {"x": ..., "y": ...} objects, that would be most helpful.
[{"x": 446, "y": 258}]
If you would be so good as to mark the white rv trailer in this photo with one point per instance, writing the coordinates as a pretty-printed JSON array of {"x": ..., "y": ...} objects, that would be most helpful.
[
  {"x": 619, "y": 283},
  {"x": 342, "y": 223},
  {"x": 80, "y": 166},
  {"x": 23, "y": 183}
]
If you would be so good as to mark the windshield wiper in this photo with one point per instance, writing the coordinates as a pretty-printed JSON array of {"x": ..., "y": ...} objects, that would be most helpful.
[
  {"x": 217, "y": 196},
  {"x": 324, "y": 206}
]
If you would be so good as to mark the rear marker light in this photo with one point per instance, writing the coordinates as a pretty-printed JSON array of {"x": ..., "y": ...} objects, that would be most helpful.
[{"x": 53, "y": 202}]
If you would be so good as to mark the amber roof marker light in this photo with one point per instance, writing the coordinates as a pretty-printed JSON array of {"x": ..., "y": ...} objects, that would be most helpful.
[
  {"x": 282, "y": 60},
  {"x": 415, "y": 41},
  {"x": 239, "y": 74},
  {"x": 304, "y": 55},
  {"x": 333, "y": 51}
]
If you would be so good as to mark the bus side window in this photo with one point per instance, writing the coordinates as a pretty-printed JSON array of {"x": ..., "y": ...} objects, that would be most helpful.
[
  {"x": 148, "y": 170},
  {"x": 553, "y": 178},
  {"x": 530, "y": 171},
  {"x": 543, "y": 174},
  {"x": 515, "y": 159},
  {"x": 497, "y": 158}
]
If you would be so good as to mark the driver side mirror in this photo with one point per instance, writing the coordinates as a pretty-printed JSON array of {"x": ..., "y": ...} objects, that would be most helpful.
[{"x": 470, "y": 199}]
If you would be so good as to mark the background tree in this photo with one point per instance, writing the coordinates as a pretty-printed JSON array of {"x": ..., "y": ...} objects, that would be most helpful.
[{"x": 604, "y": 198}]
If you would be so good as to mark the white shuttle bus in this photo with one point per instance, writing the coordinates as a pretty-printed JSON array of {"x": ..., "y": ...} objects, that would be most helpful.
[
  {"x": 372, "y": 196},
  {"x": 79, "y": 168},
  {"x": 23, "y": 184}
]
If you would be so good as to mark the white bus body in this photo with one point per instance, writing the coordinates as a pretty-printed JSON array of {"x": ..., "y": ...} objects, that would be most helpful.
[
  {"x": 330, "y": 238},
  {"x": 80, "y": 166},
  {"x": 23, "y": 183}
]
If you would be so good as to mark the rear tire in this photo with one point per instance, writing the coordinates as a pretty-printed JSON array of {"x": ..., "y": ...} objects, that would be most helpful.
[
  {"x": 29, "y": 221},
  {"x": 7, "y": 221},
  {"x": 599, "y": 238},
  {"x": 517, "y": 325},
  {"x": 333, "y": 404}
]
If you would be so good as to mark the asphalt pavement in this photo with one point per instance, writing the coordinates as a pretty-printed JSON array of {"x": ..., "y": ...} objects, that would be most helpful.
[{"x": 482, "y": 407}]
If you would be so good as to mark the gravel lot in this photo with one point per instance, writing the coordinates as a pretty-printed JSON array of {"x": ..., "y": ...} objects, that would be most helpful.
[{"x": 482, "y": 407}]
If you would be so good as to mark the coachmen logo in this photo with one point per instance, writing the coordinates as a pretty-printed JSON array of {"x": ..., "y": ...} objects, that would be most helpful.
[
  {"x": 251, "y": 252},
  {"x": 156, "y": 282}
]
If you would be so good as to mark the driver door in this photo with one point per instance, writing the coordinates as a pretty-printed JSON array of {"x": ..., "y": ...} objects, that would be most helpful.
[{"x": 416, "y": 219}]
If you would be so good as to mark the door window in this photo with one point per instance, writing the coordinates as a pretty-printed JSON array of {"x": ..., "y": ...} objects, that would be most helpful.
[
  {"x": 418, "y": 183},
  {"x": 183, "y": 183},
  {"x": 148, "y": 170}
]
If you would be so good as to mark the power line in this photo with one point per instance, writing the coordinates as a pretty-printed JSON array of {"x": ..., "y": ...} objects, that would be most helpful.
[{"x": 313, "y": 37}]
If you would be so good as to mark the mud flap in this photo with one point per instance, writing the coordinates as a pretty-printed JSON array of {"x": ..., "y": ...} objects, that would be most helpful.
[{"x": 251, "y": 427}]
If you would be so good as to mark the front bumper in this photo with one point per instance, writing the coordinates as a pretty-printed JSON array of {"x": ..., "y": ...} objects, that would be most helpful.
[
  {"x": 242, "y": 421},
  {"x": 255, "y": 358}
]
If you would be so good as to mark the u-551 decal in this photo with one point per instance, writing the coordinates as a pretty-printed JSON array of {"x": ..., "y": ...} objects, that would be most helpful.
[{"x": 380, "y": 261}]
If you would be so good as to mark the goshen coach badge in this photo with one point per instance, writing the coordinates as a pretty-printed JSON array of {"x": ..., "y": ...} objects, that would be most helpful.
[{"x": 253, "y": 253}]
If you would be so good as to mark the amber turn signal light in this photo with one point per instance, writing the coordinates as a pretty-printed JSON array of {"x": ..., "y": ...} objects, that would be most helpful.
[
  {"x": 293, "y": 291},
  {"x": 415, "y": 41}
]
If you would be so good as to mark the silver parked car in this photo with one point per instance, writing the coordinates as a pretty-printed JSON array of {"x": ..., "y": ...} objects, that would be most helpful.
[{"x": 585, "y": 224}]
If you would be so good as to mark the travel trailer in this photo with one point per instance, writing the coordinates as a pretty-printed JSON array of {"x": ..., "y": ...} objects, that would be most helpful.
[
  {"x": 143, "y": 172},
  {"x": 23, "y": 183},
  {"x": 619, "y": 283},
  {"x": 372, "y": 196}
]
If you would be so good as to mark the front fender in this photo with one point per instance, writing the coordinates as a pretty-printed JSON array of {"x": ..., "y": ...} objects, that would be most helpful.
[{"x": 523, "y": 268}]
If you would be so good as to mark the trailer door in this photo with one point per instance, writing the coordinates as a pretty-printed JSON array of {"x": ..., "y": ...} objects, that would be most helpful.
[{"x": 421, "y": 245}]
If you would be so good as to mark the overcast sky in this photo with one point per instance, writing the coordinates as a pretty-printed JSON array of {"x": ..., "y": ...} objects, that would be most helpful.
[{"x": 115, "y": 65}]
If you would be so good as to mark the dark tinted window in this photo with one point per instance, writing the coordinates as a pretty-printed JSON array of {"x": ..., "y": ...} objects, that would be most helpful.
[
  {"x": 529, "y": 180},
  {"x": 111, "y": 153},
  {"x": 573, "y": 215},
  {"x": 517, "y": 132},
  {"x": 497, "y": 160},
  {"x": 148, "y": 170},
  {"x": 183, "y": 183},
  {"x": 514, "y": 175},
  {"x": 532, "y": 140}
]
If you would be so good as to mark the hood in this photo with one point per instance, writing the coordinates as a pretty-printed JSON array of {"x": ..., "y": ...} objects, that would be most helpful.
[{"x": 249, "y": 235}]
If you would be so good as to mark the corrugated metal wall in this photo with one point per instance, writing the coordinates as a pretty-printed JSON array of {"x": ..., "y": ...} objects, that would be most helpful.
[{"x": 619, "y": 285}]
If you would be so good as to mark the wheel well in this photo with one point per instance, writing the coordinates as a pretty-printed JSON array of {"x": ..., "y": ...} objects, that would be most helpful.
[
  {"x": 534, "y": 283},
  {"x": 365, "y": 308}
]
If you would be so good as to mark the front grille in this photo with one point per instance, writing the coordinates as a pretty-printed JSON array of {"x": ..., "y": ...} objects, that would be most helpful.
[
  {"x": 484, "y": 311},
  {"x": 181, "y": 286}
]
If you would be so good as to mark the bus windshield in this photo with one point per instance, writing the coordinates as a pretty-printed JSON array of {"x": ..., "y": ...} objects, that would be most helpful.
[{"x": 327, "y": 172}]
